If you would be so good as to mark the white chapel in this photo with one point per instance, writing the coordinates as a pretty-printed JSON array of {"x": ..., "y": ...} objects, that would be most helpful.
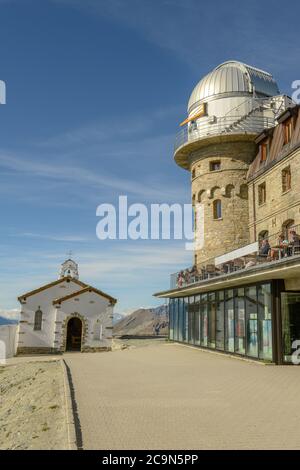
[{"x": 65, "y": 315}]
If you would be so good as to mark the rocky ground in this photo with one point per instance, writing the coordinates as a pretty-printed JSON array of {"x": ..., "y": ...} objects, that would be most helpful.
[{"x": 32, "y": 407}]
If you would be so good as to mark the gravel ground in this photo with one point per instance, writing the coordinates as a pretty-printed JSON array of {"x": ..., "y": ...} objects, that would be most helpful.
[{"x": 32, "y": 408}]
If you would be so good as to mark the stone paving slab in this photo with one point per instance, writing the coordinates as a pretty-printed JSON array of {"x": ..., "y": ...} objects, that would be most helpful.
[{"x": 168, "y": 396}]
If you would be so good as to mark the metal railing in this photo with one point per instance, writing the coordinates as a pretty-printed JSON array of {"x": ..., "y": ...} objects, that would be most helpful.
[
  {"x": 278, "y": 250},
  {"x": 248, "y": 124}
]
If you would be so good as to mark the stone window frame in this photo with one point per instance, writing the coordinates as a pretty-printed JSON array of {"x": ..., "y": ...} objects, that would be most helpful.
[
  {"x": 217, "y": 209},
  {"x": 286, "y": 179},
  {"x": 213, "y": 163},
  {"x": 262, "y": 193}
]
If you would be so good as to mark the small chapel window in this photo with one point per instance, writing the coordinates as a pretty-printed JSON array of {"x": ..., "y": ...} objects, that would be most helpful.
[{"x": 38, "y": 320}]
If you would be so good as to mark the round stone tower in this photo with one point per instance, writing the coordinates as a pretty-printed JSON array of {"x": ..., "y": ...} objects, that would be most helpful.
[{"x": 228, "y": 108}]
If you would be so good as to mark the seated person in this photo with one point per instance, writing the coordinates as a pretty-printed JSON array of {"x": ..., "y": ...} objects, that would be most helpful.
[
  {"x": 264, "y": 248},
  {"x": 180, "y": 279},
  {"x": 194, "y": 272},
  {"x": 281, "y": 249},
  {"x": 295, "y": 239}
]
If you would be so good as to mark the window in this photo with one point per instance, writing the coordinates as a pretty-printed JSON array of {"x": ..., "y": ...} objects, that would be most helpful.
[
  {"x": 287, "y": 130},
  {"x": 251, "y": 321},
  {"x": 217, "y": 208},
  {"x": 38, "y": 320},
  {"x": 286, "y": 179},
  {"x": 264, "y": 322},
  {"x": 263, "y": 234},
  {"x": 215, "y": 166},
  {"x": 229, "y": 321},
  {"x": 286, "y": 228},
  {"x": 193, "y": 173},
  {"x": 261, "y": 194},
  {"x": 244, "y": 191},
  {"x": 264, "y": 151},
  {"x": 239, "y": 312}
]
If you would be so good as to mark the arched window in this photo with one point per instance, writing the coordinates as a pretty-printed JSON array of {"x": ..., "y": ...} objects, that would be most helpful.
[
  {"x": 286, "y": 228},
  {"x": 217, "y": 209},
  {"x": 193, "y": 173},
  {"x": 229, "y": 190},
  {"x": 38, "y": 316},
  {"x": 213, "y": 191},
  {"x": 263, "y": 235},
  {"x": 200, "y": 194}
]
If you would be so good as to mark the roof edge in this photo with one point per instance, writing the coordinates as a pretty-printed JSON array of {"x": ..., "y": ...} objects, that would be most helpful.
[
  {"x": 49, "y": 285},
  {"x": 83, "y": 291}
]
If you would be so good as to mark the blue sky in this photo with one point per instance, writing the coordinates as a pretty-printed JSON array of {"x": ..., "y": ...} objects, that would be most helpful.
[{"x": 95, "y": 92}]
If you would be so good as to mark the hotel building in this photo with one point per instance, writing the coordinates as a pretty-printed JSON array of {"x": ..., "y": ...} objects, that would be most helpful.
[{"x": 241, "y": 145}]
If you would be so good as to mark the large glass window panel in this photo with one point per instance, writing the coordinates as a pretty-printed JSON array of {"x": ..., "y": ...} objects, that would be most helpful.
[
  {"x": 229, "y": 321},
  {"x": 290, "y": 312},
  {"x": 211, "y": 320},
  {"x": 251, "y": 321},
  {"x": 186, "y": 320},
  {"x": 240, "y": 339},
  {"x": 176, "y": 320},
  {"x": 197, "y": 321},
  {"x": 171, "y": 319},
  {"x": 204, "y": 320},
  {"x": 220, "y": 321},
  {"x": 180, "y": 319},
  {"x": 264, "y": 321},
  {"x": 191, "y": 320}
]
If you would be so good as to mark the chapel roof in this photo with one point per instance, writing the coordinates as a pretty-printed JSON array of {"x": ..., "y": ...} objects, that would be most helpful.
[
  {"x": 51, "y": 284},
  {"x": 83, "y": 291}
]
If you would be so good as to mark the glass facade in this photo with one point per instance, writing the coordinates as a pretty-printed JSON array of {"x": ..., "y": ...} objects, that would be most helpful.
[
  {"x": 290, "y": 313},
  {"x": 232, "y": 320}
]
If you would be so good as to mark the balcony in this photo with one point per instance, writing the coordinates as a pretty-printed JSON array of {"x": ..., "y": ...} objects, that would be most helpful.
[
  {"x": 249, "y": 257},
  {"x": 222, "y": 126}
]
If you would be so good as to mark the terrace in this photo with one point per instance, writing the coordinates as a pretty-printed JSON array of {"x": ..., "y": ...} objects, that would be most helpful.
[{"x": 241, "y": 260}]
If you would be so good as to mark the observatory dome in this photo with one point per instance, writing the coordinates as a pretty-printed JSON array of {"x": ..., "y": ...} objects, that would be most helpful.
[{"x": 233, "y": 78}]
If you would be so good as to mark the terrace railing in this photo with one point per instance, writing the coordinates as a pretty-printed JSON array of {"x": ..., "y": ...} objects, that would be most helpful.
[
  {"x": 248, "y": 124},
  {"x": 278, "y": 251}
]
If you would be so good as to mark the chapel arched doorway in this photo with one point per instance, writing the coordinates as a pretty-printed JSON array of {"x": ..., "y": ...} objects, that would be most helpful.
[{"x": 74, "y": 334}]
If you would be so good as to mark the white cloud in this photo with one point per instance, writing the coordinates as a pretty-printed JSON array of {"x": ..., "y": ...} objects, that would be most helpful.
[{"x": 12, "y": 314}]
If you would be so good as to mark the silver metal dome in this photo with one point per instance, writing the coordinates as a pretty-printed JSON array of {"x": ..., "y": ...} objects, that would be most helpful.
[{"x": 233, "y": 78}]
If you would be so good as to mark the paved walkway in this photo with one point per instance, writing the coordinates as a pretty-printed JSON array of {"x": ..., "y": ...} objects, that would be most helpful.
[{"x": 167, "y": 396}]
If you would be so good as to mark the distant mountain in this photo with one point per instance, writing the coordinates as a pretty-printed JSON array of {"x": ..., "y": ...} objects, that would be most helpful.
[
  {"x": 7, "y": 321},
  {"x": 117, "y": 317},
  {"x": 144, "y": 321}
]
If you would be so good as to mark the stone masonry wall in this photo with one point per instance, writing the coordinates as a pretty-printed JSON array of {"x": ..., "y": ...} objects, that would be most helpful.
[
  {"x": 280, "y": 207},
  {"x": 229, "y": 185}
]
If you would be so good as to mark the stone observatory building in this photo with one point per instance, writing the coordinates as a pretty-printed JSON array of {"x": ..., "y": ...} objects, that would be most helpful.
[
  {"x": 240, "y": 142},
  {"x": 65, "y": 315}
]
